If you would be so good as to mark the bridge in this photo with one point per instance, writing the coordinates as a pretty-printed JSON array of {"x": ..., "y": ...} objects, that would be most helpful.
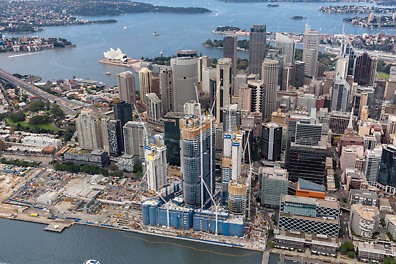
[{"x": 68, "y": 106}]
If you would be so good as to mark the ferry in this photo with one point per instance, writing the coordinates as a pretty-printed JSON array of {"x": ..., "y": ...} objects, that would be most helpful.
[{"x": 91, "y": 261}]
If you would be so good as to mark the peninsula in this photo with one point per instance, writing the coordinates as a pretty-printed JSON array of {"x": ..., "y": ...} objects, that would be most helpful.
[{"x": 31, "y": 16}]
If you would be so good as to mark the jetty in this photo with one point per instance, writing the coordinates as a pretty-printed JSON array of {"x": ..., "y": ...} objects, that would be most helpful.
[{"x": 59, "y": 225}]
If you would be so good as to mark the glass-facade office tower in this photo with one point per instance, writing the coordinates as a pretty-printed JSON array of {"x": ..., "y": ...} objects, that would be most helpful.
[
  {"x": 387, "y": 172},
  {"x": 257, "y": 48},
  {"x": 191, "y": 158},
  {"x": 123, "y": 112}
]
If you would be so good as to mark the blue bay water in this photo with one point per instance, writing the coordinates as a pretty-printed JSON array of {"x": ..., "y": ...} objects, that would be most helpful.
[{"x": 176, "y": 31}]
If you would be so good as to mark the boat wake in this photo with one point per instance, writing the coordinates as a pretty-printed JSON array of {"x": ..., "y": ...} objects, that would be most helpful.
[{"x": 26, "y": 54}]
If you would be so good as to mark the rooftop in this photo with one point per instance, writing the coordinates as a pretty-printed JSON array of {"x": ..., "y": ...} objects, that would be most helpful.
[
  {"x": 364, "y": 194},
  {"x": 366, "y": 212},
  {"x": 308, "y": 185}
]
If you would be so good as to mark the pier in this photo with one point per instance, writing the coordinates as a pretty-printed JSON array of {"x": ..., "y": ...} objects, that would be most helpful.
[{"x": 58, "y": 225}]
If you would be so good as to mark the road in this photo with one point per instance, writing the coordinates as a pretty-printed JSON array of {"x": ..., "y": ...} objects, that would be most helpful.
[{"x": 69, "y": 107}]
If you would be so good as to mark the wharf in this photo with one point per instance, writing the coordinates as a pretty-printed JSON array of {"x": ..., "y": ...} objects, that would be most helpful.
[
  {"x": 129, "y": 63},
  {"x": 58, "y": 225}
]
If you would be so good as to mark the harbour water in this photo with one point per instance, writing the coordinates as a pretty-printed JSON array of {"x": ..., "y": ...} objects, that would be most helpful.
[
  {"x": 23, "y": 242},
  {"x": 133, "y": 34}
]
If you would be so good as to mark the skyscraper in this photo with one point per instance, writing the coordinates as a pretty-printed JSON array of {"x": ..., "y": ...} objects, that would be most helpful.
[
  {"x": 156, "y": 165},
  {"x": 224, "y": 85},
  {"x": 366, "y": 67},
  {"x": 310, "y": 52},
  {"x": 122, "y": 112},
  {"x": 230, "y": 44},
  {"x": 172, "y": 137},
  {"x": 372, "y": 163},
  {"x": 286, "y": 47},
  {"x": 231, "y": 116},
  {"x": 134, "y": 138},
  {"x": 339, "y": 98},
  {"x": 145, "y": 81},
  {"x": 88, "y": 130},
  {"x": 387, "y": 172},
  {"x": 154, "y": 108},
  {"x": 274, "y": 184},
  {"x": 269, "y": 77},
  {"x": 185, "y": 78},
  {"x": 257, "y": 48},
  {"x": 272, "y": 141},
  {"x": 126, "y": 87},
  {"x": 114, "y": 137},
  {"x": 196, "y": 161},
  {"x": 299, "y": 72},
  {"x": 166, "y": 89},
  {"x": 245, "y": 98},
  {"x": 258, "y": 96}
]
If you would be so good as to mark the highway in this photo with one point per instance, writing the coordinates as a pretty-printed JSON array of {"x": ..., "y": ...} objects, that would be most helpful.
[{"x": 69, "y": 107}]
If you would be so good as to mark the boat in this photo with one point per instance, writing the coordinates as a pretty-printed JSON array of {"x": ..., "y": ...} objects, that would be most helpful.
[
  {"x": 272, "y": 5},
  {"x": 298, "y": 17},
  {"x": 108, "y": 73},
  {"x": 155, "y": 34},
  {"x": 91, "y": 261},
  {"x": 125, "y": 28}
]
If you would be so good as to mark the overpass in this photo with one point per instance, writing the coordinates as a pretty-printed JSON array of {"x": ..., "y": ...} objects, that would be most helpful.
[{"x": 68, "y": 106}]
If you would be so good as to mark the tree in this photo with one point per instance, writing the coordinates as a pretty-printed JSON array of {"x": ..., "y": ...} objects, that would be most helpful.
[
  {"x": 17, "y": 117},
  {"x": 56, "y": 111},
  {"x": 351, "y": 254},
  {"x": 346, "y": 247},
  {"x": 271, "y": 244},
  {"x": 40, "y": 119},
  {"x": 36, "y": 106}
]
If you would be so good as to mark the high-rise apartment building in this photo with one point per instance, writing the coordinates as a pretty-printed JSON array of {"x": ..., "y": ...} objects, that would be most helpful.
[
  {"x": 257, "y": 48},
  {"x": 272, "y": 141},
  {"x": 166, "y": 89},
  {"x": 231, "y": 117},
  {"x": 274, "y": 184},
  {"x": 114, "y": 137},
  {"x": 88, "y": 128},
  {"x": 311, "y": 51},
  {"x": 154, "y": 108},
  {"x": 146, "y": 83},
  {"x": 269, "y": 76},
  {"x": 245, "y": 98},
  {"x": 126, "y": 87},
  {"x": 185, "y": 78},
  {"x": 134, "y": 138},
  {"x": 258, "y": 96},
  {"x": 156, "y": 166},
  {"x": 286, "y": 46}
]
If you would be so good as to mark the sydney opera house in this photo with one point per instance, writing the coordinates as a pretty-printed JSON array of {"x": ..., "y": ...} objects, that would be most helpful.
[{"x": 116, "y": 55}]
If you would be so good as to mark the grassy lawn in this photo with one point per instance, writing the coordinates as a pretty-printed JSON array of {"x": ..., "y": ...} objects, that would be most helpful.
[
  {"x": 382, "y": 75},
  {"x": 49, "y": 126}
]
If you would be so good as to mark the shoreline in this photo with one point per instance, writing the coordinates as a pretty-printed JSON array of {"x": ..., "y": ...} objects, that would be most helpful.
[
  {"x": 134, "y": 64},
  {"x": 46, "y": 221}
]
